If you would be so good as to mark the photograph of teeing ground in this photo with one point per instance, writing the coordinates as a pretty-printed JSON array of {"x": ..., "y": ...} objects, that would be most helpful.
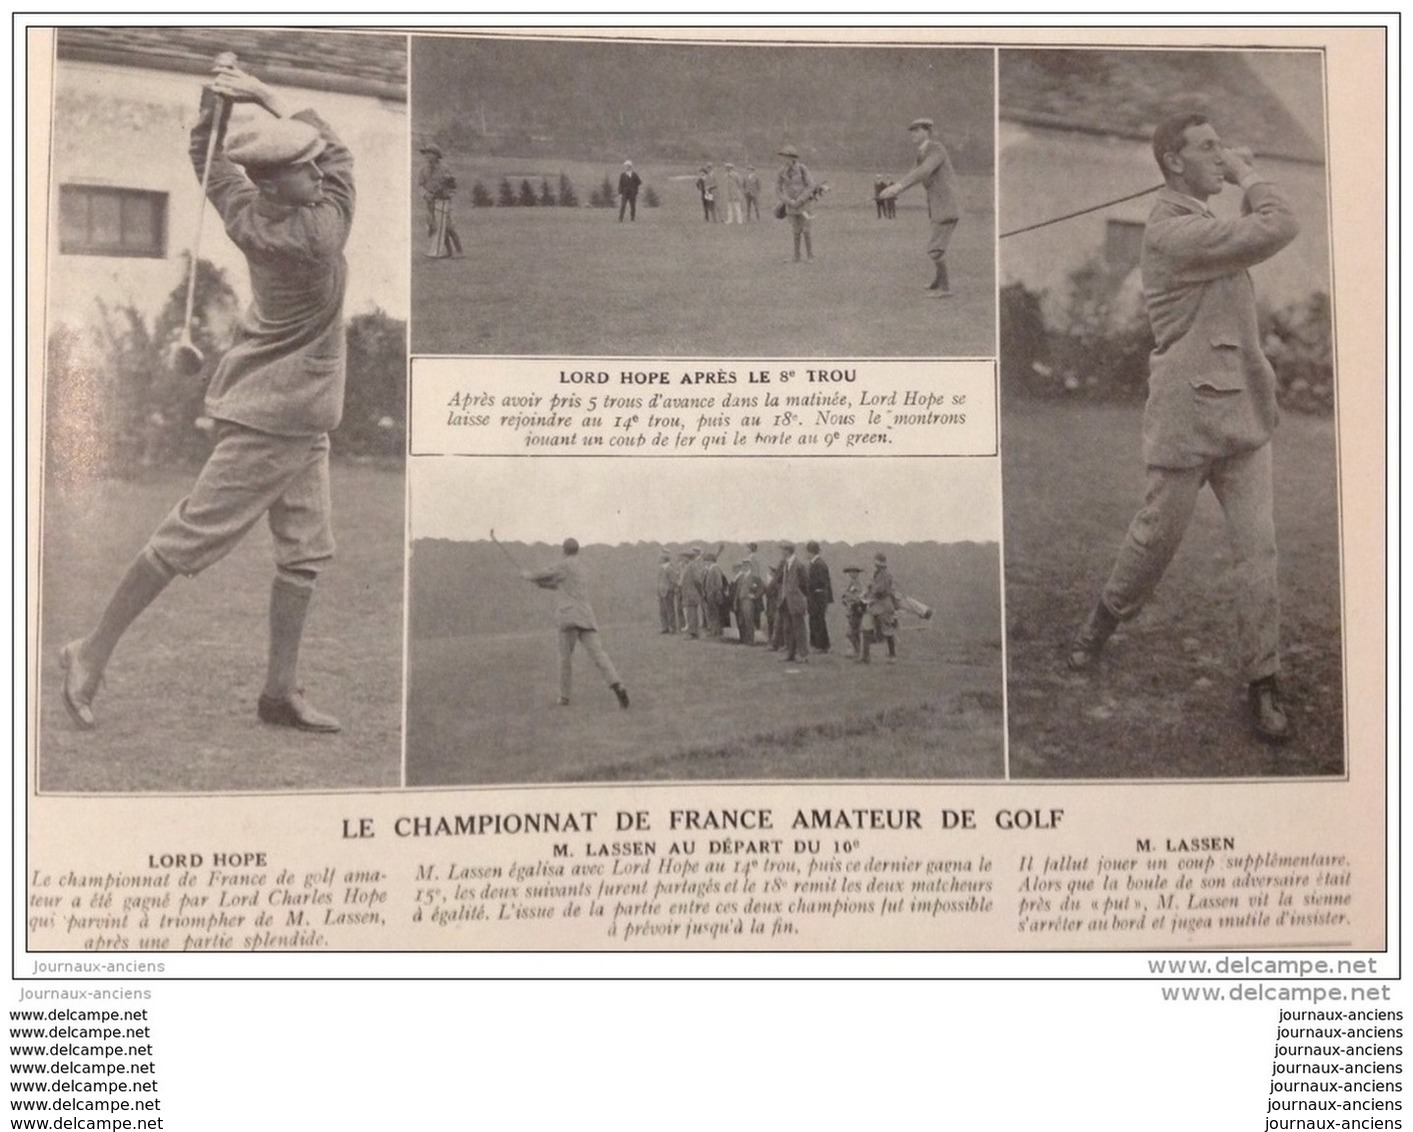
[
  {"x": 535, "y": 135},
  {"x": 483, "y": 661}
]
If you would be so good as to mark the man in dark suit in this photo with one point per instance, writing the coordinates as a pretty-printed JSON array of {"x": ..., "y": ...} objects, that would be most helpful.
[
  {"x": 821, "y": 596},
  {"x": 794, "y": 605},
  {"x": 628, "y": 182},
  {"x": 1211, "y": 406}
]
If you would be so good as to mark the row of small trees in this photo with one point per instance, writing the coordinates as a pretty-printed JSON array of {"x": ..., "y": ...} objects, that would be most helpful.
[{"x": 527, "y": 196}]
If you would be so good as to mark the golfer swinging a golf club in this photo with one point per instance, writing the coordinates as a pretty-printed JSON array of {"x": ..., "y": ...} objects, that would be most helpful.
[
  {"x": 282, "y": 183},
  {"x": 576, "y": 620}
]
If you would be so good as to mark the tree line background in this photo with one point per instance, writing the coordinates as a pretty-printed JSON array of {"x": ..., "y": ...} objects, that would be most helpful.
[{"x": 676, "y": 102}]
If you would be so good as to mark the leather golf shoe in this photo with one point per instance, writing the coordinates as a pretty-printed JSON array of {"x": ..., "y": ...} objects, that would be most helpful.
[
  {"x": 1268, "y": 717},
  {"x": 293, "y": 711},
  {"x": 79, "y": 687},
  {"x": 622, "y": 693},
  {"x": 1089, "y": 642}
]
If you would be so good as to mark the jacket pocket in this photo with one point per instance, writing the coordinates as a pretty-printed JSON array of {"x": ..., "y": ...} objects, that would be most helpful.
[{"x": 1224, "y": 372}]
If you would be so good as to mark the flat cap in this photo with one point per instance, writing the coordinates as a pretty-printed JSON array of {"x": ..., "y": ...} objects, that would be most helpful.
[
  {"x": 881, "y": 558},
  {"x": 812, "y": 546},
  {"x": 788, "y": 151},
  {"x": 274, "y": 141},
  {"x": 853, "y": 569},
  {"x": 920, "y": 123},
  {"x": 434, "y": 150},
  {"x": 787, "y": 546}
]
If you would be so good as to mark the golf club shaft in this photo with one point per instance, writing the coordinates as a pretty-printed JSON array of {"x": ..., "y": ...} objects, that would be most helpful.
[
  {"x": 218, "y": 112},
  {"x": 508, "y": 555}
]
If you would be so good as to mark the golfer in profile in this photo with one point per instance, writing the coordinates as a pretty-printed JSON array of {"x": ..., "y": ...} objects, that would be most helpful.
[
  {"x": 283, "y": 185},
  {"x": 933, "y": 171},
  {"x": 576, "y": 622},
  {"x": 1211, "y": 408}
]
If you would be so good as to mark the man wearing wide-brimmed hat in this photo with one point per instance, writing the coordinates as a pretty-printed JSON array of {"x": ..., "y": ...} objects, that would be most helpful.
[
  {"x": 438, "y": 187},
  {"x": 794, "y": 188},
  {"x": 881, "y": 616},
  {"x": 283, "y": 186}
]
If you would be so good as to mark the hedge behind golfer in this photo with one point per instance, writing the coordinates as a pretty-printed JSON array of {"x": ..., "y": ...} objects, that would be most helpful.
[{"x": 283, "y": 186}]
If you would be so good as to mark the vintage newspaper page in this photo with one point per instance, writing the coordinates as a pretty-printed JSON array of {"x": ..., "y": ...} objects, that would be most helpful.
[{"x": 745, "y": 490}]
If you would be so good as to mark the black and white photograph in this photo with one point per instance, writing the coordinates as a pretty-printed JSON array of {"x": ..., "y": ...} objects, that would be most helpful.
[
  {"x": 586, "y": 198},
  {"x": 733, "y": 619},
  {"x": 222, "y": 517},
  {"x": 1166, "y": 327}
]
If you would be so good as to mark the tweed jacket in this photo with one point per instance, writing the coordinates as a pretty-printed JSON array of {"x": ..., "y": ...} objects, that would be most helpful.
[
  {"x": 935, "y": 173},
  {"x": 794, "y": 586},
  {"x": 285, "y": 373},
  {"x": 437, "y": 182},
  {"x": 880, "y": 593},
  {"x": 792, "y": 187},
  {"x": 573, "y": 609},
  {"x": 1211, "y": 390}
]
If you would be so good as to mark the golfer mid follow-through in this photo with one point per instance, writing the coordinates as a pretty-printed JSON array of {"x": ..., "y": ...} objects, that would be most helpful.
[
  {"x": 577, "y": 624},
  {"x": 283, "y": 186},
  {"x": 1211, "y": 410}
]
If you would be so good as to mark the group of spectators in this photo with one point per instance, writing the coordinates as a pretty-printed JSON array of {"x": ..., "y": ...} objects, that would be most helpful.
[
  {"x": 787, "y": 604},
  {"x": 729, "y": 196}
]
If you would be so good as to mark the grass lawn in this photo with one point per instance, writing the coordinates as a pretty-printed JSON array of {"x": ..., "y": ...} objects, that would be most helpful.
[
  {"x": 178, "y": 711},
  {"x": 578, "y": 284},
  {"x": 1166, "y": 699},
  {"x": 482, "y": 709}
]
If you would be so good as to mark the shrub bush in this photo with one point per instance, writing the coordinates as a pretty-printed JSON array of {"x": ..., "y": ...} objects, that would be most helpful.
[
  {"x": 375, "y": 397},
  {"x": 114, "y": 406},
  {"x": 113, "y": 403},
  {"x": 1094, "y": 343},
  {"x": 1298, "y": 339}
]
